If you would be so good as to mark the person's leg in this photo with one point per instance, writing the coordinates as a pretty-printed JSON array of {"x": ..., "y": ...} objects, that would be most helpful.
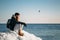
[{"x": 20, "y": 31}]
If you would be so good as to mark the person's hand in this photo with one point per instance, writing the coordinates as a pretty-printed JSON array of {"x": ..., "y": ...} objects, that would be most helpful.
[{"x": 25, "y": 24}]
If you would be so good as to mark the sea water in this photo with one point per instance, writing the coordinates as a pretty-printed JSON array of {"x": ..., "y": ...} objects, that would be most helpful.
[{"x": 44, "y": 31}]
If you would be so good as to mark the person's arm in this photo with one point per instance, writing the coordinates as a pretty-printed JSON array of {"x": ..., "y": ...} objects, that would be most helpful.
[{"x": 21, "y": 23}]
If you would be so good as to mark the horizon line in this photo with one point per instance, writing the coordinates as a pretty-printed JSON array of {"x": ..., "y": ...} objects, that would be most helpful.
[{"x": 36, "y": 23}]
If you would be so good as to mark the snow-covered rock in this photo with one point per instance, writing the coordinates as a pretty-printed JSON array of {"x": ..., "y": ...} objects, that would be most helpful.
[{"x": 12, "y": 35}]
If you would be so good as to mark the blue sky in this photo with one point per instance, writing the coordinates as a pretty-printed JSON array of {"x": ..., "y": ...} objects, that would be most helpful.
[{"x": 49, "y": 10}]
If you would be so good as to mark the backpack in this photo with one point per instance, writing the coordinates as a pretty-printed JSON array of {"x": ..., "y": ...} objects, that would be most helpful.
[
  {"x": 11, "y": 24},
  {"x": 8, "y": 23}
]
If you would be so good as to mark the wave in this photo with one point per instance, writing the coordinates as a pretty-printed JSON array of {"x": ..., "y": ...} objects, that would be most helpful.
[{"x": 12, "y": 35}]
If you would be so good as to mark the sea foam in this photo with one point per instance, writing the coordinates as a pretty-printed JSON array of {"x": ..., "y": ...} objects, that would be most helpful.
[{"x": 12, "y": 35}]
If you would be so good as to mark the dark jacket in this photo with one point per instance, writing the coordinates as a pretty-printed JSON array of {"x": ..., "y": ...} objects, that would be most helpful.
[{"x": 12, "y": 22}]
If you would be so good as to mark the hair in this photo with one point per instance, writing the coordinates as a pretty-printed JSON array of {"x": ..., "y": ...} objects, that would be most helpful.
[{"x": 17, "y": 14}]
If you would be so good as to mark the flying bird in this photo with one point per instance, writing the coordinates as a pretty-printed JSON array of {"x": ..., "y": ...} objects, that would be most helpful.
[{"x": 39, "y": 11}]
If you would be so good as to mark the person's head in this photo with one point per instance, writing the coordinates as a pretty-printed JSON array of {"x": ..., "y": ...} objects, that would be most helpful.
[{"x": 17, "y": 15}]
